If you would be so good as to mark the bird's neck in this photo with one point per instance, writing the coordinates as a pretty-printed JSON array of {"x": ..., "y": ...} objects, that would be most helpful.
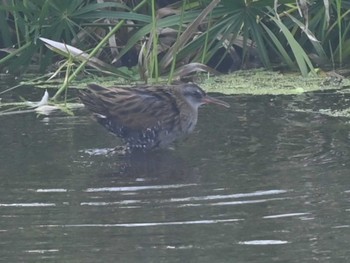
[{"x": 188, "y": 115}]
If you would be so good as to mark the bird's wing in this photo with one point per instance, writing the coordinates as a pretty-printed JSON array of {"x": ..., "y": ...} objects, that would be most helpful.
[{"x": 138, "y": 108}]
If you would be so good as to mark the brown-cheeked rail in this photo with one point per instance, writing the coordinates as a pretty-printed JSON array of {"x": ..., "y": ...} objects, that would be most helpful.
[{"x": 147, "y": 117}]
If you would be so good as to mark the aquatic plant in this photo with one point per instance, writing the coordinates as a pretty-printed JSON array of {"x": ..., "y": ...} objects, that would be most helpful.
[{"x": 174, "y": 40}]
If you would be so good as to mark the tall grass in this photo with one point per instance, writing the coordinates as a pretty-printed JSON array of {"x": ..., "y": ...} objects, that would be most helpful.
[
  {"x": 93, "y": 53},
  {"x": 154, "y": 70},
  {"x": 177, "y": 40}
]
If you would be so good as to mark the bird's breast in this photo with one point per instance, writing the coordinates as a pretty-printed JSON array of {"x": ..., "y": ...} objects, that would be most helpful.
[{"x": 188, "y": 122}]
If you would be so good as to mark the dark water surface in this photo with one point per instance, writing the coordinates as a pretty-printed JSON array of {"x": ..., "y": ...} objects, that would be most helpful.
[{"x": 267, "y": 180}]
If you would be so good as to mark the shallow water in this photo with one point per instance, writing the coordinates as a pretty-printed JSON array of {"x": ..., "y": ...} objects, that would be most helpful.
[{"x": 264, "y": 181}]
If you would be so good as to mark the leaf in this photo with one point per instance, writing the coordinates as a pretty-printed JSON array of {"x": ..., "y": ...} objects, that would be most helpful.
[
  {"x": 187, "y": 34},
  {"x": 44, "y": 101},
  {"x": 194, "y": 67},
  {"x": 301, "y": 57},
  {"x": 303, "y": 27},
  {"x": 75, "y": 53},
  {"x": 326, "y": 11},
  {"x": 281, "y": 49}
]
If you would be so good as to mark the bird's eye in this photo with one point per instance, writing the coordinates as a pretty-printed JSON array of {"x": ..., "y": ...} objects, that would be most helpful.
[
  {"x": 197, "y": 94},
  {"x": 193, "y": 92}
]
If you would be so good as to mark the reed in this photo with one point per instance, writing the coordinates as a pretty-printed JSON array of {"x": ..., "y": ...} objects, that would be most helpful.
[{"x": 181, "y": 39}]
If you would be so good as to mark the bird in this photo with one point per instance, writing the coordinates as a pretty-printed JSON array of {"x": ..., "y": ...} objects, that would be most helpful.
[{"x": 147, "y": 117}]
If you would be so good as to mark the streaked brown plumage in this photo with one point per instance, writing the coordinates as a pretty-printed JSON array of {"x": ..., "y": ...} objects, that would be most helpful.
[{"x": 147, "y": 117}]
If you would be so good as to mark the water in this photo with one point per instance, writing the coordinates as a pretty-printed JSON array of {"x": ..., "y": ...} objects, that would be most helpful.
[{"x": 264, "y": 181}]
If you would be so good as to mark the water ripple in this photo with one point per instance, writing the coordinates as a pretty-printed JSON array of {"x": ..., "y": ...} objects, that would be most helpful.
[
  {"x": 137, "y": 188},
  {"x": 27, "y": 205},
  {"x": 287, "y": 215},
  {"x": 149, "y": 224},
  {"x": 263, "y": 242},
  {"x": 215, "y": 197}
]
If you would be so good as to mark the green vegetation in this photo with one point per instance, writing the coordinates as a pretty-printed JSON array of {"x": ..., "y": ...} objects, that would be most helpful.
[
  {"x": 146, "y": 41},
  {"x": 260, "y": 82}
]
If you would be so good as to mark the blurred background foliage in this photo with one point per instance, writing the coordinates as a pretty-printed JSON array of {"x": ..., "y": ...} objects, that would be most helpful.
[{"x": 153, "y": 38}]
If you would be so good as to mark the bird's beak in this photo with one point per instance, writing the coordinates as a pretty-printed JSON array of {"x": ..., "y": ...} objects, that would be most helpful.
[{"x": 208, "y": 99}]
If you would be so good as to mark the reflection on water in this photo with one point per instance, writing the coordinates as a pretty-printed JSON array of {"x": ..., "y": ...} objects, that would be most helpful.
[{"x": 266, "y": 181}]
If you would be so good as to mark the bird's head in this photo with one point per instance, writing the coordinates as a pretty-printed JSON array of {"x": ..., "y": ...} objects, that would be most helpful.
[{"x": 196, "y": 97}]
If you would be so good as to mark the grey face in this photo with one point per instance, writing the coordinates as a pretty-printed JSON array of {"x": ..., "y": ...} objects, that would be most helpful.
[{"x": 193, "y": 94}]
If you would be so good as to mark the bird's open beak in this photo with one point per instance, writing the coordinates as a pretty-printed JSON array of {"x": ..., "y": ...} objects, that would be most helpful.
[{"x": 208, "y": 99}]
